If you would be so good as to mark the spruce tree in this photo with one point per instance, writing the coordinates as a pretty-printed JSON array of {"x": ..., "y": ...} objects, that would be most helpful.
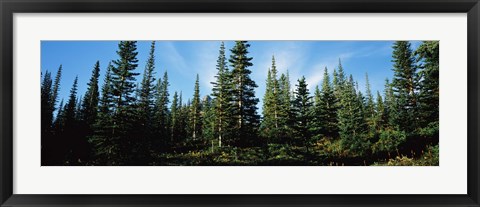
[
  {"x": 90, "y": 101},
  {"x": 123, "y": 86},
  {"x": 286, "y": 123},
  {"x": 404, "y": 85},
  {"x": 162, "y": 112},
  {"x": 302, "y": 108},
  {"x": 370, "y": 107},
  {"x": 174, "y": 118},
  {"x": 351, "y": 120},
  {"x": 105, "y": 148},
  {"x": 243, "y": 95},
  {"x": 325, "y": 119},
  {"x": 56, "y": 87},
  {"x": 71, "y": 124},
  {"x": 146, "y": 95},
  {"x": 428, "y": 96},
  {"x": 222, "y": 94},
  {"x": 196, "y": 119},
  {"x": 46, "y": 120},
  {"x": 271, "y": 106}
]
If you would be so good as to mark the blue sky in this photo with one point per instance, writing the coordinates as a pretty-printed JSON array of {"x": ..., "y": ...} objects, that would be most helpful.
[{"x": 184, "y": 59}]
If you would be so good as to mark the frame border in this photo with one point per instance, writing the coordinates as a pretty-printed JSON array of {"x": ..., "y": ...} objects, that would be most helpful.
[{"x": 9, "y": 7}]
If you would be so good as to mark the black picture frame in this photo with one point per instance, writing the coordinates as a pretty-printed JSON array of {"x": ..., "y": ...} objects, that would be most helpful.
[{"x": 9, "y": 7}]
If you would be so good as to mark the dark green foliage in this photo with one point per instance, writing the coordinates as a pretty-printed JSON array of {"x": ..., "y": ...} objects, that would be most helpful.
[
  {"x": 351, "y": 120},
  {"x": 161, "y": 115},
  {"x": 243, "y": 96},
  {"x": 302, "y": 108},
  {"x": 404, "y": 85},
  {"x": 272, "y": 103},
  {"x": 325, "y": 111},
  {"x": 222, "y": 95},
  {"x": 123, "y": 85},
  {"x": 428, "y": 95},
  {"x": 195, "y": 112}
]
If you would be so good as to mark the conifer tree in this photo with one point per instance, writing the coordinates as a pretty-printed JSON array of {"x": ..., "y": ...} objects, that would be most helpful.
[
  {"x": 105, "y": 149},
  {"x": 222, "y": 94},
  {"x": 244, "y": 101},
  {"x": 48, "y": 155},
  {"x": 90, "y": 101},
  {"x": 56, "y": 87},
  {"x": 286, "y": 123},
  {"x": 404, "y": 85},
  {"x": 146, "y": 96},
  {"x": 302, "y": 108},
  {"x": 351, "y": 120},
  {"x": 161, "y": 111},
  {"x": 123, "y": 85},
  {"x": 370, "y": 107},
  {"x": 271, "y": 106},
  {"x": 428, "y": 62},
  {"x": 325, "y": 119},
  {"x": 174, "y": 120},
  {"x": 196, "y": 109},
  {"x": 71, "y": 124}
]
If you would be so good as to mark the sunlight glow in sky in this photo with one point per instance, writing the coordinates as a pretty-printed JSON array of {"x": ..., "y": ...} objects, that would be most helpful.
[{"x": 184, "y": 59}]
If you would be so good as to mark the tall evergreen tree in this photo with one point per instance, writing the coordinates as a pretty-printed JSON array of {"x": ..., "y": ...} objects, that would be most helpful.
[
  {"x": 56, "y": 87},
  {"x": 428, "y": 62},
  {"x": 91, "y": 100},
  {"x": 404, "y": 85},
  {"x": 370, "y": 107},
  {"x": 221, "y": 92},
  {"x": 302, "y": 108},
  {"x": 351, "y": 120},
  {"x": 48, "y": 155},
  {"x": 196, "y": 119},
  {"x": 146, "y": 96},
  {"x": 71, "y": 124},
  {"x": 379, "y": 112},
  {"x": 105, "y": 149},
  {"x": 161, "y": 111},
  {"x": 325, "y": 119},
  {"x": 285, "y": 110},
  {"x": 123, "y": 86},
  {"x": 271, "y": 127},
  {"x": 244, "y": 101}
]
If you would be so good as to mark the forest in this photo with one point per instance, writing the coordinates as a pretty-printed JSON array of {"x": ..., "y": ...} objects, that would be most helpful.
[{"x": 128, "y": 118}]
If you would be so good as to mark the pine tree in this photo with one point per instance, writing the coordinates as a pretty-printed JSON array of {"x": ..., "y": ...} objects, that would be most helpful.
[
  {"x": 285, "y": 109},
  {"x": 325, "y": 119},
  {"x": 146, "y": 95},
  {"x": 244, "y": 101},
  {"x": 106, "y": 149},
  {"x": 428, "y": 97},
  {"x": 404, "y": 85},
  {"x": 161, "y": 111},
  {"x": 302, "y": 108},
  {"x": 48, "y": 155},
  {"x": 90, "y": 101},
  {"x": 56, "y": 87},
  {"x": 351, "y": 120},
  {"x": 123, "y": 87},
  {"x": 196, "y": 119},
  {"x": 370, "y": 107},
  {"x": 71, "y": 124},
  {"x": 271, "y": 106},
  {"x": 221, "y": 93}
]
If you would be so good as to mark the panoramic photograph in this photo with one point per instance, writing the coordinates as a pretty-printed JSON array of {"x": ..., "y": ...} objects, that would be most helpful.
[{"x": 239, "y": 103}]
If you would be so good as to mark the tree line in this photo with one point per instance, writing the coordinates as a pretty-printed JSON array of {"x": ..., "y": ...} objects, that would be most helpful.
[{"x": 124, "y": 122}]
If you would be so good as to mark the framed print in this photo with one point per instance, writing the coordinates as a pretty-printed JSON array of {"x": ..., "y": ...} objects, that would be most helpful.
[{"x": 199, "y": 103}]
